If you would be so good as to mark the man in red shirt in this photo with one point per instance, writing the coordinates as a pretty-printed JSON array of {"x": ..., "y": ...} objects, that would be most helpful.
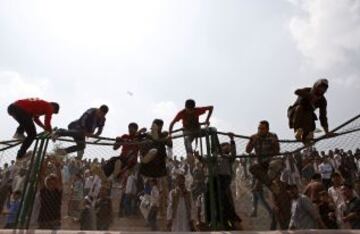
[
  {"x": 26, "y": 112},
  {"x": 190, "y": 119},
  {"x": 129, "y": 152}
]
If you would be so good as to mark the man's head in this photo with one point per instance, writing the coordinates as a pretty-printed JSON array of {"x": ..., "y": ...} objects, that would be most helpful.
[
  {"x": 190, "y": 104},
  {"x": 102, "y": 111},
  {"x": 157, "y": 125},
  {"x": 55, "y": 106},
  {"x": 226, "y": 147},
  {"x": 324, "y": 196},
  {"x": 133, "y": 127},
  {"x": 17, "y": 195},
  {"x": 180, "y": 181},
  {"x": 347, "y": 191},
  {"x": 336, "y": 179},
  {"x": 316, "y": 177},
  {"x": 153, "y": 182},
  {"x": 320, "y": 87},
  {"x": 51, "y": 181},
  {"x": 263, "y": 128},
  {"x": 293, "y": 191}
]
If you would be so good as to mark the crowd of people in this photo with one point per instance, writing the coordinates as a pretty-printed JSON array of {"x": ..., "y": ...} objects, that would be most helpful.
[
  {"x": 309, "y": 190},
  {"x": 321, "y": 191}
]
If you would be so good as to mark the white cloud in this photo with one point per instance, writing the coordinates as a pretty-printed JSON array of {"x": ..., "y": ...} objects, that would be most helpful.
[
  {"x": 165, "y": 110},
  {"x": 16, "y": 86},
  {"x": 328, "y": 32}
]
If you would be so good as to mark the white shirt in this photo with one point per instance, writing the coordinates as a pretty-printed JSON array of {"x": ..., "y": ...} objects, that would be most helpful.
[
  {"x": 155, "y": 197},
  {"x": 130, "y": 185},
  {"x": 325, "y": 170}
]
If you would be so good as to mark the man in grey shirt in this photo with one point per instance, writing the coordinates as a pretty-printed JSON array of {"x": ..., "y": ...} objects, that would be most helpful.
[{"x": 303, "y": 213}]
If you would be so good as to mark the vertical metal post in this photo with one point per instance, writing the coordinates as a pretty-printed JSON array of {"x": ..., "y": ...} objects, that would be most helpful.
[
  {"x": 25, "y": 189},
  {"x": 213, "y": 206}
]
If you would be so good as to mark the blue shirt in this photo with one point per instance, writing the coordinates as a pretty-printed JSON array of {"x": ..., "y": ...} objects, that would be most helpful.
[{"x": 13, "y": 208}]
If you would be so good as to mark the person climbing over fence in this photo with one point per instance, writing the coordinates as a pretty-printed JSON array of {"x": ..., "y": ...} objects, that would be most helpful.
[
  {"x": 302, "y": 115},
  {"x": 116, "y": 166},
  {"x": 92, "y": 119},
  {"x": 190, "y": 120},
  {"x": 27, "y": 112}
]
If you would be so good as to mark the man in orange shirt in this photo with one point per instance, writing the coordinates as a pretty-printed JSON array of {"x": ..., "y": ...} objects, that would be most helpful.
[
  {"x": 190, "y": 119},
  {"x": 26, "y": 112}
]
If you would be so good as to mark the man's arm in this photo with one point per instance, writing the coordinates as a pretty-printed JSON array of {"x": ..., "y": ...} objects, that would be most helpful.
[
  {"x": 177, "y": 118},
  {"x": 210, "y": 111},
  {"x": 250, "y": 145},
  {"x": 323, "y": 116},
  {"x": 232, "y": 145},
  {"x": 99, "y": 131},
  {"x": 310, "y": 209},
  {"x": 38, "y": 122},
  {"x": 276, "y": 144},
  {"x": 118, "y": 143}
]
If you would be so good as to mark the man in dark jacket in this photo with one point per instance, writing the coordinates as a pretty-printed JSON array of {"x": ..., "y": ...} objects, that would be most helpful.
[
  {"x": 93, "y": 118},
  {"x": 302, "y": 115}
]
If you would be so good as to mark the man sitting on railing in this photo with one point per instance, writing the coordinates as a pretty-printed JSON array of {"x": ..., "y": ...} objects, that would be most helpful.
[
  {"x": 116, "y": 166},
  {"x": 190, "y": 119},
  {"x": 93, "y": 118},
  {"x": 26, "y": 112}
]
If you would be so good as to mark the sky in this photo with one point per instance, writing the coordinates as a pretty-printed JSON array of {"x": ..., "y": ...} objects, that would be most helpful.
[{"x": 145, "y": 58}]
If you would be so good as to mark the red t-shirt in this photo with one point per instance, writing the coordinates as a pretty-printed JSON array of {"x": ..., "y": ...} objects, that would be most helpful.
[
  {"x": 37, "y": 107},
  {"x": 129, "y": 152},
  {"x": 190, "y": 121}
]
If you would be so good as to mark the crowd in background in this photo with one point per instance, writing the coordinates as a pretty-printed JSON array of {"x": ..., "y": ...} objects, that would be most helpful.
[{"x": 327, "y": 185}]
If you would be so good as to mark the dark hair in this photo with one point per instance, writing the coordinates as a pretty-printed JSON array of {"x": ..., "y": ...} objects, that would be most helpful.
[
  {"x": 133, "y": 125},
  {"x": 104, "y": 109},
  {"x": 17, "y": 192},
  {"x": 158, "y": 122},
  {"x": 190, "y": 103},
  {"x": 316, "y": 176},
  {"x": 266, "y": 123},
  {"x": 335, "y": 174},
  {"x": 56, "y": 107},
  {"x": 347, "y": 185},
  {"x": 224, "y": 144},
  {"x": 291, "y": 186}
]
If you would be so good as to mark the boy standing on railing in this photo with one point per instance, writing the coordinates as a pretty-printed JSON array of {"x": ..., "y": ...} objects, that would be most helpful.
[
  {"x": 191, "y": 125},
  {"x": 26, "y": 112},
  {"x": 92, "y": 119}
]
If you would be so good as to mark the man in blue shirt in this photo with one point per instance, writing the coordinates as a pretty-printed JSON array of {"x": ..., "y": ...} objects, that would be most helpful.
[
  {"x": 92, "y": 119},
  {"x": 12, "y": 210}
]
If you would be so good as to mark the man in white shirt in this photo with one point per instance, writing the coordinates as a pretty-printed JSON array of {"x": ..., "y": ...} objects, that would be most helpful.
[
  {"x": 180, "y": 215},
  {"x": 154, "y": 205},
  {"x": 326, "y": 170}
]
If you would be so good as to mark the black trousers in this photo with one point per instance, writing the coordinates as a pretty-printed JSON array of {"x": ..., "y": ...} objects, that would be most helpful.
[
  {"x": 79, "y": 137},
  {"x": 26, "y": 124}
]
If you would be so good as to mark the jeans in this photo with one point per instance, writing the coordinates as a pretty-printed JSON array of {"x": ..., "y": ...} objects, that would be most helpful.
[
  {"x": 26, "y": 124},
  {"x": 79, "y": 138},
  {"x": 129, "y": 204},
  {"x": 259, "y": 195},
  {"x": 152, "y": 218}
]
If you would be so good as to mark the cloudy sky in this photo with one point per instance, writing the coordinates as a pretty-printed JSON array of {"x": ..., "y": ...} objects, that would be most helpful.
[{"x": 144, "y": 58}]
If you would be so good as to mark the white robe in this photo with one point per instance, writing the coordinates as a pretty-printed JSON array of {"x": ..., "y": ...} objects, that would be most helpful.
[{"x": 180, "y": 223}]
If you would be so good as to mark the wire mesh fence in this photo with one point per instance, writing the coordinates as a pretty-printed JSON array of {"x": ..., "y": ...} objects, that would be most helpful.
[{"x": 74, "y": 194}]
